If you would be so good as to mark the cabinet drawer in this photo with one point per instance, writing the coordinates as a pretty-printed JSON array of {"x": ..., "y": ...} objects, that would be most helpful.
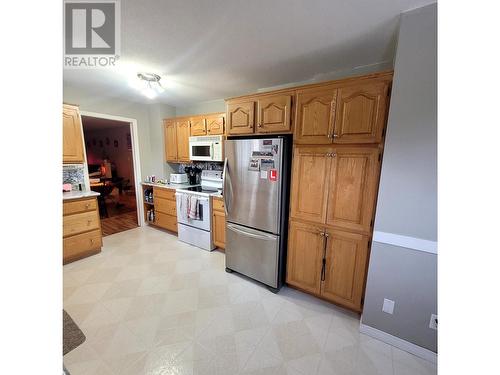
[
  {"x": 79, "y": 223},
  {"x": 73, "y": 207},
  {"x": 218, "y": 204},
  {"x": 166, "y": 221},
  {"x": 164, "y": 193},
  {"x": 75, "y": 246},
  {"x": 165, "y": 206}
]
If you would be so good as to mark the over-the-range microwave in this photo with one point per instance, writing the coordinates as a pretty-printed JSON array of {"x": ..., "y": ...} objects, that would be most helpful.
[{"x": 206, "y": 148}]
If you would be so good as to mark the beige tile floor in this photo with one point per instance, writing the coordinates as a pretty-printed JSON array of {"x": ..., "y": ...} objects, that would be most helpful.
[{"x": 150, "y": 304}]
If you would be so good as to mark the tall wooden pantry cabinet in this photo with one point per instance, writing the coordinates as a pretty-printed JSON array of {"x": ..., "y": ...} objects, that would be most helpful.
[{"x": 338, "y": 145}]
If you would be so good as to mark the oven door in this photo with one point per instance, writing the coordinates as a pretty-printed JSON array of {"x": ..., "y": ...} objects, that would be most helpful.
[
  {"x": 203, "y": 209},
  {"x": 203, "y": 151}
]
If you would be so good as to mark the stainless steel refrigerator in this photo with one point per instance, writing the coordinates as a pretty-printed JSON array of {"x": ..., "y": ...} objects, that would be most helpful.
[{"x": 256, "y": 184}]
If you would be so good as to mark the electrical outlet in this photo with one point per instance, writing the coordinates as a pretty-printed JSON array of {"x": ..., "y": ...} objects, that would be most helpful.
[
  {"x": 388, "y": 306},
  {"x": 433, "y": 324}
]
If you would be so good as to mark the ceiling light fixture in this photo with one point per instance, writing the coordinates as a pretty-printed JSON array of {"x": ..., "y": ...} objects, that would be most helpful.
[{"x": 149, "y": 85}]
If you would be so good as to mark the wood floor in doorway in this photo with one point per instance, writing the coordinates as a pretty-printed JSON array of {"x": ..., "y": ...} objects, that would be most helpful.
[{"x": 119, "y": 223}]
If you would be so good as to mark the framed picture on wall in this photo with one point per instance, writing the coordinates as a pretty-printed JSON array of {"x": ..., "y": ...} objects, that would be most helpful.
[{"x": 129, "y": 142}]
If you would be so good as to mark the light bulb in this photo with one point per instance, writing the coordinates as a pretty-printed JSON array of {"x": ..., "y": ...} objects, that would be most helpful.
[
  {"x": 159, "y": 88},
  {"x": 149, "y": 93}
]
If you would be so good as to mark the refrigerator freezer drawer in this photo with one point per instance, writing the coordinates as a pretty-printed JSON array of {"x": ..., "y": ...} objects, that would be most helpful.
[{"x": 252, "y": 253}]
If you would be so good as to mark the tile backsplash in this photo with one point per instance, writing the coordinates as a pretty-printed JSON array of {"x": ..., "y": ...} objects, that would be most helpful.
[
  {"x": 74, "y": 174},
  {"x": 202, "y": 165}
]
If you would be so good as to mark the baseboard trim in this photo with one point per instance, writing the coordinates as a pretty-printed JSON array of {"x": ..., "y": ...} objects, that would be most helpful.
[
  {"x": 405, "y": 241},
  {"x": 399, "y": 343}
]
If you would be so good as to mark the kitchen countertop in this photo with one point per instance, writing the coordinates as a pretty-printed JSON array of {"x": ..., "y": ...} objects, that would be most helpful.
[
  {"x": 168, "y": 185},
  {"x": 76, "y": 194}
]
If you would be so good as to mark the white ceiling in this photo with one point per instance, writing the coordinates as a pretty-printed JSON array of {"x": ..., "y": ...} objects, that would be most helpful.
[{"x": 215, "y": 49}]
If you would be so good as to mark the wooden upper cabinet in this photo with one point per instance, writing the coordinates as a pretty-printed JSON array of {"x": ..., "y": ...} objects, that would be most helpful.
[
  {"x": 315, "y": 114},
  {"x": 273, "y": 114},
  {"x": 309, "y": 192},
  {"x": 170, "y": 134},
  {"x": 352, "y": 187},
  {"x": 72, "y": 135},
  {"x": 361, "y": 113},
  {"x": 183, "y": 132},
  {"x": 345, "y": 268},
  {"x": 304, "y": 257},
  {"x": 198, "y": 126},
  {"x": 215, "y": 124},
  {"x": 240, "y": 118}
]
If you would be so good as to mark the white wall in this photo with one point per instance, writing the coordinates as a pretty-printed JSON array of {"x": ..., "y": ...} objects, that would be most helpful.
[
  {"x": 211, "y": 106},
  {"x": 158, "y": 112},
  {"x": 407, "y": 199}
]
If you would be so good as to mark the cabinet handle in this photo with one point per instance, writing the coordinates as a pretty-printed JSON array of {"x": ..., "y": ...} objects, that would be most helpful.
[
  {"x": 323, "y": 261},
  {"x": 322, "y": 234},
  {"x": 89, "y": 222},
  {"x": 329, "y": 135},
  {"x": 92, "y": 241},
  {"x": 87, "y": 205},
  {"x": 323, "y": 270},
  {"x": 333, "y": 154},
  {"x": 259, "y": 125},
  {"x": 335, "y": 135}
]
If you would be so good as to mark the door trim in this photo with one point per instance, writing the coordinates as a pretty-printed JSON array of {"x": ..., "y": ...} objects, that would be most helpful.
[{"x": 135, "y": 158}]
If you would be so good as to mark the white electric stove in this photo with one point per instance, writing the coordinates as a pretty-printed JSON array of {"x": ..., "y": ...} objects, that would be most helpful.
[{"x": 197, "y": 231}]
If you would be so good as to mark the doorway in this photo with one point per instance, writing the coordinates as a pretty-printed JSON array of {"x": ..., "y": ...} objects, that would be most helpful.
[{"x": 112, "y": 170}]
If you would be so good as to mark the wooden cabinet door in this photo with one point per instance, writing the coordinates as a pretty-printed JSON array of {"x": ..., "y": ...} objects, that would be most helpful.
[
  {"x": 345, "y": 268},
  {"x": 353, "y": 184},
  {"x": 361, "y": 113},
  {"x": 215, "y": 124},
  {"x": 198, "y": 126},
  {"x": 240, "y": 118},
  {"x": 309, "y": 192},
  {"x": 72, "y": 135},
  {"x": 273, "y": 114},
  {"x": 219, "y": 229},
  {"x": 304, "y": 257},
  {"x": 183, "y": 132},
  {"x": 315, "y": 114},
  {"x": 170, "y": 135}
]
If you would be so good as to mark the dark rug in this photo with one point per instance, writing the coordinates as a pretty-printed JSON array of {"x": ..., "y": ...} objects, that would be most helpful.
[{"x": 72, "y": 335}]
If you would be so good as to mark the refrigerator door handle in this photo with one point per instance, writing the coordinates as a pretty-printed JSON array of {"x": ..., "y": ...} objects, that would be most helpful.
[
  {"x": 226, "y": 181},
  {"x": 265, "y": 237}
]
